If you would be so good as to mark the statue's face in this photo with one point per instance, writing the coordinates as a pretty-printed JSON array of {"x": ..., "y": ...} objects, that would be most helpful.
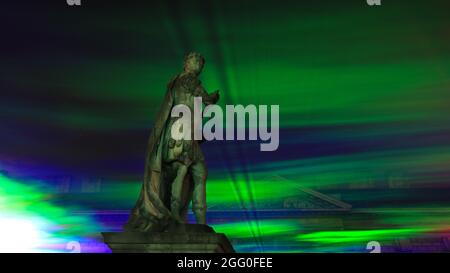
[{"x": 193, "y": 65}]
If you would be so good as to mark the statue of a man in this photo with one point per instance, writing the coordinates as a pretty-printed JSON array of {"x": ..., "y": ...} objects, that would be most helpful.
[{"x": 175, "y": 170}]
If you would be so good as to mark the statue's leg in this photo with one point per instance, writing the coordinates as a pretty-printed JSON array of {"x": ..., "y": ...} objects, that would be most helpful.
[
  {"x": 177, "y": 187},
  {"x": 199, "y": 175}
]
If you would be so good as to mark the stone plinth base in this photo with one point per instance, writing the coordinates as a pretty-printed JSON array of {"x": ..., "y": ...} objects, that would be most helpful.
[{"x": 179, "y": 239}]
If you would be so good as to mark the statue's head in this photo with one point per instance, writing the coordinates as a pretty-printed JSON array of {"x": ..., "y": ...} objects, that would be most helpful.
[{"x": 193, "y": 63}]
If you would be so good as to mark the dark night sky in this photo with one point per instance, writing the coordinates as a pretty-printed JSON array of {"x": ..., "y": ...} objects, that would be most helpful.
[{"x": 80, "y": 85}]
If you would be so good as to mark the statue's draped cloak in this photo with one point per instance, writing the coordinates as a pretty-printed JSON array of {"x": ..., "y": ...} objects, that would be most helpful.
[{"x": 151, "y": 211}]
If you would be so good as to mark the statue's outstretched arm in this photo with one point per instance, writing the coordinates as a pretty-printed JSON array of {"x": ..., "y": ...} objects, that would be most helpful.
[{"x": 208, "y": 98}]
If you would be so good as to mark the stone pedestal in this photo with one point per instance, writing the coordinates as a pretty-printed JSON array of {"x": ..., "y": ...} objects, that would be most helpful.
[{"x": 186, "y": 238}]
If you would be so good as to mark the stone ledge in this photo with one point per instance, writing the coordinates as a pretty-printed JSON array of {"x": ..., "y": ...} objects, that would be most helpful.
[{"x": 179, "y": 239}]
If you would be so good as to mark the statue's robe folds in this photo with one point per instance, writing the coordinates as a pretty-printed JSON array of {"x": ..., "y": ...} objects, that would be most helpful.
[{"x": 152, "y": 210}]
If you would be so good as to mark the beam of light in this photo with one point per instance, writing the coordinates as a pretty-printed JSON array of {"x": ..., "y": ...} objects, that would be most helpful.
[
  {"x": 352, "y": 236},
  {"x": 239, "y": 230},
  {"x": 29, "y": 222},
  {"x": 20, "y": 235}
]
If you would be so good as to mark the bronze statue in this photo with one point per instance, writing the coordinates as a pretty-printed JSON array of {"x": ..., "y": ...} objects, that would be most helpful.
[{"x": 175, "y": 170}]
